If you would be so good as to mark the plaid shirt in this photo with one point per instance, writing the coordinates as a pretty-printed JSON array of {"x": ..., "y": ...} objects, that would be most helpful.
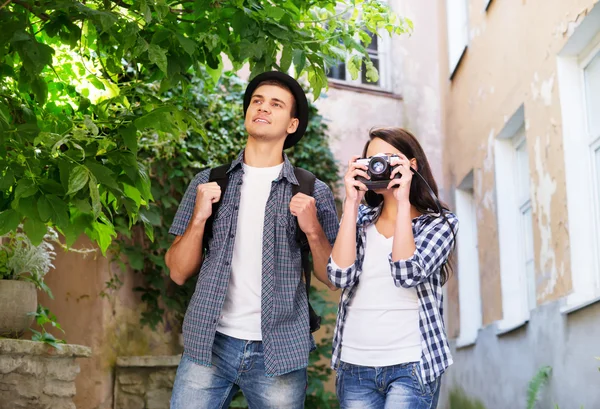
[
  {"x": 284, "y": 318},
  {"x": 434, "y": 241}
]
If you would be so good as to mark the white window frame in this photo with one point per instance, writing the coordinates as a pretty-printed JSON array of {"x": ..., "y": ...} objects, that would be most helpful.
[
  {"x": 515, "y": 280},
  {"x": 457, "y": 17},
  {"x": 383, "y": 55},
  {"x": 581, "y": 172},
  {"x": 469, "y": 290}
]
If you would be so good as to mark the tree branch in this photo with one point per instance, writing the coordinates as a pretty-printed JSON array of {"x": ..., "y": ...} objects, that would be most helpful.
[{"x": 24, "y": 4}]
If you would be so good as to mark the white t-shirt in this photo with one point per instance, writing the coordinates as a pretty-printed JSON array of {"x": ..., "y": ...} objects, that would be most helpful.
[
  {"x": 241, "y": 314},
  {"x": 382, "y": 325}
]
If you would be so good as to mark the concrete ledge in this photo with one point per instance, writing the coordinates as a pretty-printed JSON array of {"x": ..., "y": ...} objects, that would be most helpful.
[
  {"x": 23, "y": 347},
  {"x": 148, "y": 361}
]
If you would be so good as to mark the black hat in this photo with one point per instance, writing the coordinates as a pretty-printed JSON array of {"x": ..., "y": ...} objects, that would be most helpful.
[{"x": 297, "y": 92}]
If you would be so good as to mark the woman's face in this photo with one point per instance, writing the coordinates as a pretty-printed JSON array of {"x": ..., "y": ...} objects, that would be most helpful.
[{"x": 378, "y": 146}]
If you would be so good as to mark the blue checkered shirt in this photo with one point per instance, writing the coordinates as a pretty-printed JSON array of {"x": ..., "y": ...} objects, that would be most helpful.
[
  {"x": 434, "y": 242},
  {"x": 284, "y": 318}
]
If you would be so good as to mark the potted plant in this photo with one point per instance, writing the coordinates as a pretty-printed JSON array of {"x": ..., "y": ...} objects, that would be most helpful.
[{"x": 23, "y": 266}]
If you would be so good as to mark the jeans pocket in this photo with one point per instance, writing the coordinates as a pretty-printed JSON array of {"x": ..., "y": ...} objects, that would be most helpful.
[{"x": 427, "y": 389}]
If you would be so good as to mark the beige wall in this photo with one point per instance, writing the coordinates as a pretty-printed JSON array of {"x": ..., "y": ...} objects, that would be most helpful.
[
  {"x": 511, "y": 60},
  {"x": 109, "y": 324}
]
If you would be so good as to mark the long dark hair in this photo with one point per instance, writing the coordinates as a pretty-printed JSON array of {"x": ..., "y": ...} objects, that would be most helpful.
[{"x": 420, "y": 196}]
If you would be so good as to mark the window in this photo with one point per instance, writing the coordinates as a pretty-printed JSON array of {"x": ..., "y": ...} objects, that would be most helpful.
[
  {"x": 515, "y": 230},
  {"x": 469, "y": 293},
  {"x": 579, "y": 90},
  {"x": 458, "y": 32},
  {"x": 377, "y": 50}
]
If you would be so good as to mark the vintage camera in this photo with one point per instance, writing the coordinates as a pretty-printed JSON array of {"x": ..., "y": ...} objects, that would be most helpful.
[{"x": 379, "y": 169}]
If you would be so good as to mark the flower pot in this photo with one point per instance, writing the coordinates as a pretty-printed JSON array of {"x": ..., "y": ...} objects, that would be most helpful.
[{"x": 18, "y": 299}]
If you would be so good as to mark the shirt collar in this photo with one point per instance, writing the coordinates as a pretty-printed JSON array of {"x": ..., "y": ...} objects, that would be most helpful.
[{"x": 287, "y": 172}]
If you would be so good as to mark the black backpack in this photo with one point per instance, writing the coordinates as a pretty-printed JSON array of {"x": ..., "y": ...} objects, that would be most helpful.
[{"x": 306, "y": 185}]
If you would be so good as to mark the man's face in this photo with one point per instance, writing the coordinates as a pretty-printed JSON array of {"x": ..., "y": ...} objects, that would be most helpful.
[{"x": 268, "y": 117}]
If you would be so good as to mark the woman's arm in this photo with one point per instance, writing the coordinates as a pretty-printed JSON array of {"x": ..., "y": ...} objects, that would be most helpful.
[{"x": 432, "y": 247}]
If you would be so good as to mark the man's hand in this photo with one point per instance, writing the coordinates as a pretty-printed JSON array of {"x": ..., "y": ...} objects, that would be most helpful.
[
  {"x": 206, "y": 195},
  {"x": 305, "y": 209}
]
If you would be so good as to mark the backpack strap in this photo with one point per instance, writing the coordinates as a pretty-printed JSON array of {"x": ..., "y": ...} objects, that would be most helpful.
[
  {"x": 220, "y": 176},
  {"x": 306, "y": 185}
]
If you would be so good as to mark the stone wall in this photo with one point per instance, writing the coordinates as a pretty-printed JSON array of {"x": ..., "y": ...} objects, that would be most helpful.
[
  {"x": 144, "y": 382},
  {"x": 34, "y": 375}
]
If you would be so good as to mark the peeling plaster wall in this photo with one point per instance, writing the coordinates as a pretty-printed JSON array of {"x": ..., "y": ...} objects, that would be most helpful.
[{"x": 511, "y": 60}]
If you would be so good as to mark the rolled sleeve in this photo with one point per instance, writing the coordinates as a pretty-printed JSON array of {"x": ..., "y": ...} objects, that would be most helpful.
[
  {"x": 341, "y": 277},
  {"x": 186, "y": 207},
  {"x": 326, "y": 210},
  {"x": 433, "y": 247}
]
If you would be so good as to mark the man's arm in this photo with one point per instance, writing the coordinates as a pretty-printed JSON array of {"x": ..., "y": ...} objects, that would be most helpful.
[
  {"x": 317, "y": 217},
  {"x": 184, "y": 257}
]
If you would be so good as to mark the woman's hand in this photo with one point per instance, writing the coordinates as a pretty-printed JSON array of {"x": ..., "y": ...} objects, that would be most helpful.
[
  {"x": 355, "y": 190},
  {"x": 403, "y": 165}
]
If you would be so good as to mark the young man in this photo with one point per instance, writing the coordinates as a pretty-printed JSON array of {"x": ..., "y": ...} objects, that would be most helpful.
[{"x": 247, "y": 323}]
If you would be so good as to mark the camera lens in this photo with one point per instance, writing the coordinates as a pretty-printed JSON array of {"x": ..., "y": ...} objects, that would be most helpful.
[{"x": 379, "y": 167}]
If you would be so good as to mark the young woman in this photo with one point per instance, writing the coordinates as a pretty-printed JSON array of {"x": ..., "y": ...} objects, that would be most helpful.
[{"x": 391, "y": 259}]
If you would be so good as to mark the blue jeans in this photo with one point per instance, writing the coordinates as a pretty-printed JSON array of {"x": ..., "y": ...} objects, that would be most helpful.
[
  {"x": 388, "y": 387},
  {"x": 236, "y": 364}
]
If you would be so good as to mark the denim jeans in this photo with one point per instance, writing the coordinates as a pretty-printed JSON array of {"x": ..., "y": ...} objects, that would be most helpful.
[
  {"x": 236, "y": 364},
  {"x": 388, "y": 387}
]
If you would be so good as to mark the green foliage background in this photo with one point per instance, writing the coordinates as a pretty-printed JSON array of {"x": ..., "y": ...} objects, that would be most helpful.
[{"x": 84, "y": 84}]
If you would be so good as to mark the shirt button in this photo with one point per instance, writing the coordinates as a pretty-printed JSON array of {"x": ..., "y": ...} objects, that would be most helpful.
[
  {"x": 231, "y": 236},
  {"x": 236, "y": 207},
  {"x": 215, "y": 321},
  {"x": 227, "y": 263},
  {"x": 239, "y": 182}
]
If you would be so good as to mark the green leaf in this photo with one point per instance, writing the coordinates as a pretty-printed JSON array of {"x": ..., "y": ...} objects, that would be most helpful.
[
  {"x": 536, "y": 384},
  {"x": 35, "y": 230},
  {"x": 25, "y": 188},
  {"x": 216, "y": 72},
  {"x": 274, "y": 12},
  {"x": 286, "y": 58},
  {"x": 103, "y": 234},
  {"x": 60, "y": 210},
  {"x": 95, "y": 195},
  {"x": 299, "y": 59},
  {"x": 44, "y": 209},
  {"x": 353, "y": 65},
  {"x": 78, "y": 179},
  {"x": 40, "y": 89},
  {"x": 9, "y": 221},
  {"x": 77, "y": 226},
  {"x": 103, "y": 174},
  {"x": 188, "y": 45},
  {"x": 149, "y": 230},
  {"x": 28, "y": 207},
  {"x": 372, "y": 74},
  {"x": 158, "y": 56},
  {"x": 129, "y": 134},
  {"x": 133, "y": 193},
  {"x": 143, "y": 182}
]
